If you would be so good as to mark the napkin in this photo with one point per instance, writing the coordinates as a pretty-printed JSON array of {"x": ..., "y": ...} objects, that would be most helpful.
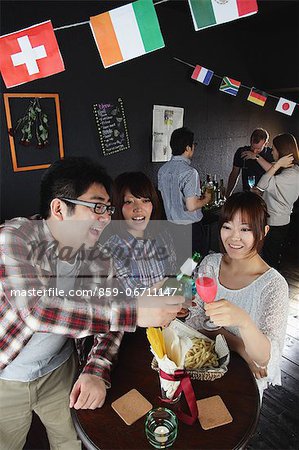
[{"x": 176, "y": 348}]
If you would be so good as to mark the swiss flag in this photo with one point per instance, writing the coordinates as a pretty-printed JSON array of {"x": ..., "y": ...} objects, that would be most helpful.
[{"x": 29, "y": 54}]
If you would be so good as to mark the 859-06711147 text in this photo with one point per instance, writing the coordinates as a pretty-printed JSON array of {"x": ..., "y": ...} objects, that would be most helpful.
[{"x": 97, "y": 292}]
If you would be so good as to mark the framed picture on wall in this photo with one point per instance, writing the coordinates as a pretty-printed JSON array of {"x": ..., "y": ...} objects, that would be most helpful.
[
  {"x": 34, "y": 130},
  {"x": 166, "y": 119},
  {"x": 112, "y": 126}
]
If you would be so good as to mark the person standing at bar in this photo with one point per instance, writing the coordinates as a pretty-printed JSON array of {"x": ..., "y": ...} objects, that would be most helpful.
[
  {"x": 280, "y": 188},
  {"x": 251, "y": 160},
  {"x": 179, "y": 185}
]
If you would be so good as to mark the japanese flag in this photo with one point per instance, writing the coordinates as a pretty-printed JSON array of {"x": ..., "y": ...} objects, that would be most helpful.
[
  {"x": 29, "y": 54},
  {"x": 285, "y": 106}
]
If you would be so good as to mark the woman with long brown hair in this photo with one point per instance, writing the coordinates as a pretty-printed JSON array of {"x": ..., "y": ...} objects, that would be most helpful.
[
  {"x": 143, "y": 253},
  {"x": 280, "y": 188}
]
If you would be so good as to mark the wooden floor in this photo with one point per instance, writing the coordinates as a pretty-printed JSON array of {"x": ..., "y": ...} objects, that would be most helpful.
[{"x": 278, "y": 426}]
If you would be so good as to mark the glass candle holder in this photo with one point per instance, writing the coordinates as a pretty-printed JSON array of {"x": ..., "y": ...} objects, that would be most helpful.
[{"x": 161, "y": 427}]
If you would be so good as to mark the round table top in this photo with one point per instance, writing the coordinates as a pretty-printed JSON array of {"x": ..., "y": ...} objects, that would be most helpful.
[{"x": 104, "y": 429}]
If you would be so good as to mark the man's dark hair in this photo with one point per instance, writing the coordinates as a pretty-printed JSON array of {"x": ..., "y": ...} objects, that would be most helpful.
[
  {"x": 259, "y": 134},
  {"x": 70, "y": 178},
  {"x": 180, "y": 139}
]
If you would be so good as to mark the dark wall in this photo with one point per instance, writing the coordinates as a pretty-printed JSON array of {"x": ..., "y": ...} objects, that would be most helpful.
[{"x": 259, "y": 51}]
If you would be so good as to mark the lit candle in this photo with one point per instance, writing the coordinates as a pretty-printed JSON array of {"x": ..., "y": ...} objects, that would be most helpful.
[{"x": 161, "y": 433}]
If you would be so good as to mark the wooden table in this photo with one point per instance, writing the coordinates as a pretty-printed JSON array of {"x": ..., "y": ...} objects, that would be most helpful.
[{"x": 103, "y": 429}]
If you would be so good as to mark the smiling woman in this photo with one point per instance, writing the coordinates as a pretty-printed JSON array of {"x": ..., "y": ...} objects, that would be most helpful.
[
  {"x": 254, "y": 297},
  {"x": 140, "y": 187},
  {"x": 143, "y": 254},
  {"x": 142, "y": 250},
  {"x": 137, "y": 212},
  {"x": 244, "y": 221}
]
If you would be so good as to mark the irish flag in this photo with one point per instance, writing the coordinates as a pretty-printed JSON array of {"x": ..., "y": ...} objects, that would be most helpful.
[
  {"x": 127, "y": 32},
  {"x": 207, "y": 13}
]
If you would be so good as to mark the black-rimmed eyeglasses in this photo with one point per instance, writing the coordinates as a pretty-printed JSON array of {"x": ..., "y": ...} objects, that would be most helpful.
[{"x": 98, "y": 208}]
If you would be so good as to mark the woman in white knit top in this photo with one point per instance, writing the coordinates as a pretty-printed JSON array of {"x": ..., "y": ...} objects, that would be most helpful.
[
  {"x": 253, "y": 298},
  {"x": 280, "y": 188}
]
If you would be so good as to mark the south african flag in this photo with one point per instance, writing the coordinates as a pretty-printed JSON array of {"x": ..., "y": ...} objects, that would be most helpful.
[{"x": 229, "y": 86}]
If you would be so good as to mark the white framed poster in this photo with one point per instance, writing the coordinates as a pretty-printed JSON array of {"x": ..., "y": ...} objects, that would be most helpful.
[{"x": 166, "y": 119}]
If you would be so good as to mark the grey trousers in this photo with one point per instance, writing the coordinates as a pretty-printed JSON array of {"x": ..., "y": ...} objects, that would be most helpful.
[{"x": 48, "y": 396}]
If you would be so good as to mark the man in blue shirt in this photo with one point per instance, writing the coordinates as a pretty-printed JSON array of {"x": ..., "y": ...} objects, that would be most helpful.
[{"x": 179, "y": 185}]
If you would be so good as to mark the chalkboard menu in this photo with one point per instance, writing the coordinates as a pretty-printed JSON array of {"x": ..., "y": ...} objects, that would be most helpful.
[{"x": 112, "y": 126}]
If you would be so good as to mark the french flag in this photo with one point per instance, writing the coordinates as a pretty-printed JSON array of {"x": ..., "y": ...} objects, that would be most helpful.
[{"x": 202, "y": 75}]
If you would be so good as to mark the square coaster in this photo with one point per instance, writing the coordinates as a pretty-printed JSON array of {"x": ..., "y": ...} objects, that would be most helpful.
[
  {"x": 131, "y": 406},
  {"x": 212, "y": 412}
]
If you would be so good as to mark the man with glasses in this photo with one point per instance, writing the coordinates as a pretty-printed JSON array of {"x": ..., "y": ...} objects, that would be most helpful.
[
  {"x": 54, "y": 286},
  {"x": 179, "y": 184},
  {"x": 98, "y": 208}
]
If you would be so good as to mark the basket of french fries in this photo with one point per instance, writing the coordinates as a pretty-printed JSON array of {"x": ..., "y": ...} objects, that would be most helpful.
[{"x": 206, "y": 360}]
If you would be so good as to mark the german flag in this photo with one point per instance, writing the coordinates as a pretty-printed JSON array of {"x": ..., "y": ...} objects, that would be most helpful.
[{"x": 257, "y": 97}]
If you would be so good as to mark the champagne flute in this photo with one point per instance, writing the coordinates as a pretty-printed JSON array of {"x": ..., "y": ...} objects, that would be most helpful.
[{"x": 206, "y": 286}]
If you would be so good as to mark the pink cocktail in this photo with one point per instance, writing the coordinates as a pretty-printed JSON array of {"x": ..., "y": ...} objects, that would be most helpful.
[{"x": 206, "y": 288}]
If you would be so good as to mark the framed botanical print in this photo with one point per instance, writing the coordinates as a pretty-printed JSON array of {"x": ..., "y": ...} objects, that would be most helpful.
[{"x": 34, "y": 130}]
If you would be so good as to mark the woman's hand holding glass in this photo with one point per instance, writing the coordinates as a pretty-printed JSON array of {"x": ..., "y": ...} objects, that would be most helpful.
[
  {"x": 227, "y": 314},
  {"x": 206, "y": 286}
]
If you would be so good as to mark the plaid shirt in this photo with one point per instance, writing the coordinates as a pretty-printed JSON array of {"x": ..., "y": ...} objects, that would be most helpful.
[
  {"x": 142, "y": 262},
  {"x": 138, "y": 263},
  {"x": 28, "y": 256}
]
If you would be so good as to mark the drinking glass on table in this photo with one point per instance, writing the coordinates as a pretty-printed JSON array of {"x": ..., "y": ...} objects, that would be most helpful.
[
  {"x": 251, "y": 181},
  {"x": 206, "y": 287}
]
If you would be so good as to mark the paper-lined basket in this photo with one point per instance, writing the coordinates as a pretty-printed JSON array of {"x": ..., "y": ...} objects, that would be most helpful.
[{"x": 221, "y": 348}]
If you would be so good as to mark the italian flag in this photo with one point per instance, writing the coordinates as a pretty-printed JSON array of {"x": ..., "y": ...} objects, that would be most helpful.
[
  {"x": 207, "y": 13},
  {"x": 127, "y": 32}
]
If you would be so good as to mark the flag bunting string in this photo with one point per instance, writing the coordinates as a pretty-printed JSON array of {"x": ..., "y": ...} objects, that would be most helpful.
[
  {"x": 87, "y": 21},
  {"x": 220, "y": 78},
  {"x": 117, "y": 45}
]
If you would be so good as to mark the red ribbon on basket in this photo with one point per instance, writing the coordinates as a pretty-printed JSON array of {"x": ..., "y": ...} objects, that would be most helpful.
[{"x": 186, "y": 387}]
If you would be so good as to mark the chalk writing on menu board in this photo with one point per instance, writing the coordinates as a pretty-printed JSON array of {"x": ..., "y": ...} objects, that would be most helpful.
[{"x": 112, "y": 126}]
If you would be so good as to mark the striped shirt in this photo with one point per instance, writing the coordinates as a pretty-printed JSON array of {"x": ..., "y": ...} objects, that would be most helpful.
[
  {"x": 141, "y": 262},
  {"x": 177, "y": 180},
  {"x": 138, "y": 263}
]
